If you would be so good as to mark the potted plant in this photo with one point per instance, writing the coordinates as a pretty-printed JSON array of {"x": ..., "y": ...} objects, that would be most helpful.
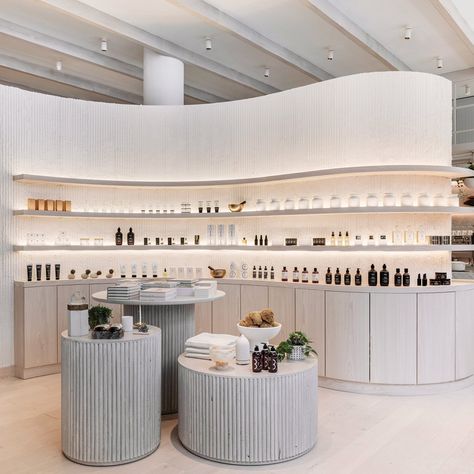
[
  {"x": 296, "y": 347},
  {"x": 99, "y": 315}
]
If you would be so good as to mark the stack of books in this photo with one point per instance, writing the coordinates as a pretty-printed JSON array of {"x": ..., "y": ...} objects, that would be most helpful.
[
  {"x": 158, "y": 294},
  {"x": 124, "y": 291},
  {"x": 159, "y": 284}
]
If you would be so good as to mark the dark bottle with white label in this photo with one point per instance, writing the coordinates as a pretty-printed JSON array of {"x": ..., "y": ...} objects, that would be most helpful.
[
  {"x": 397, "y": 279},
  {"x": 284, "y": 274},
  {"x": 130, "y": 237},
  {"x": 273, "y": 361},
  {"x": 384, "y": 276},
  {"x": 265, "y": 356},
  {"x": 315, "y": 276},
  {"x": 328, "y": 276},
  {"x": 337, "y": 277},
  {"x": 347, "y": 277},
  {"x": 256, "y": 360},
  {"x": 265, "y": 272},
  {"x": 406, "y": 278},
  {"x": 358, "y": 278},
  {"x": 296, "y": 275},
  {"x": 272, "y": 273},
  {"x": 424, "y": 281},
  {"x": 372, "y": 276},
  {"x": 260, "y": 272},
  {"x": 304, "y": 276},
  {"x": 118, "y": 237},
  {"x": 254, "y": 272}
]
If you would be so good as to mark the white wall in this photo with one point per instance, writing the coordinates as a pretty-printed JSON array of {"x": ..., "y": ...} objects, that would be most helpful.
[{"x": 367, "y": 119}]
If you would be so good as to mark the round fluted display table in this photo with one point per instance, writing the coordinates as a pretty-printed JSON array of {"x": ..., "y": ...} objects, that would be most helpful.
[
  {"x": 240, "y": 417},
  {"x": 110, "y": 398},
  {"x": 175, "y": 318}
]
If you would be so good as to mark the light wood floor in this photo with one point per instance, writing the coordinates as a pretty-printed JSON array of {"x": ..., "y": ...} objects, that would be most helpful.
[{"x": 357, "y": 434}]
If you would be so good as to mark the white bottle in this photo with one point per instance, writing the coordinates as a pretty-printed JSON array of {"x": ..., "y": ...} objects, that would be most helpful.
[
  {"x": 397, "y": 236},
  {"x": 78, "y": 316},
  {"x": 409, "y": 236},
  {"x": 242, "y": 351},
  {"x": 421, "y": 236}
]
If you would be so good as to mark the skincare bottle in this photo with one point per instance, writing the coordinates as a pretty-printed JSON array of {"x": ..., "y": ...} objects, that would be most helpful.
[
  {"x": 424, "y": 281},
  {"x": 406, "y": 278},
  {"x": 29, "y": 272},
  {"x": 165, "y": 273},
  {"x": 346, "y": 239},
  {"x": 284, "y": 274},
  {"x": 196, "y": 239},
  {"x": 208, "y": 206},
  {"x": 397, "y": 236},
  {"x": 340, "y": 240},
  {"x": 254, "y": 272},
  {"x": 371, "y": 240},
  {"x": 260, "y": 240},
  {"x": 296, "y": 275},
  {"x": 372, "y": 277},
  {"x": 358, "y": 278},
  {"x": 272, "y": 273},
  {"x": 409, "y": 236},
  {"x": 265, "y": 272},
  {"x": 265, "y": 240},
  {"x": 130, "y": 237},
  {"x": 38, "y": 272},
  {"x": 265, "y": 356},
  {"x": 260, "y": 272},
  {"x": 123, "y": 271},
  {"x": 144, "y": 270},
  {"x": 315, "y": 276},
  {"x": 48, "y": 271},
  {"x": 328, "y": 276},
  {"x": 273, "y": 361},
  {"x": 118, "y": 237},
  {"x": 57, "y": 271},
  {"x": 304, "y": 276},
  {"x": 333, "y": 239},
  {"x": 347, "y": 277},
  {"x": 242, "y": 351},
  {"x": 256, "y": 360},
  {"x": 154, "y": 269},
  {"x": 255, "y": 241},
  {"x": 337, "y": 277},
  {"x": 418, "y": 280},
  {"x": 384, "y": 276},
  {"x": 358, "y": 240},
  {"x": 134, "y": 270},
  {"x": 421, "y": 236},
  {"x": 397, "y": 279}
]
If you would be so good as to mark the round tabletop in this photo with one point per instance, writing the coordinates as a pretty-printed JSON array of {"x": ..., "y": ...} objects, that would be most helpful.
[
  {"x": 286, "y": 367},
  {"x": 101, "y": 296},
  {"x": 127, "y": 336}
]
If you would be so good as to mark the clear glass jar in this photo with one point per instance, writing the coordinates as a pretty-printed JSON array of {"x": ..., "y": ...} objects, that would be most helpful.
[
  {"x": 406, "y": 199},
  {"x": 303, "y": 203},
  {"x": 274, "y": 204},
  {"x": 260, "y": 206},
  {"x": 424, "y": 200},
  {"x": 335, "y": 201},
  {"x": 289, "y": 204},
  {"x": 453, "y": 200},
  {"x": 372, "y": 200},
  {"x": 439, "y": 200},
  {"x": 389, "y": 200},
  {"x": 316, "y": 202},
  {"x": 354, "y": 200}
]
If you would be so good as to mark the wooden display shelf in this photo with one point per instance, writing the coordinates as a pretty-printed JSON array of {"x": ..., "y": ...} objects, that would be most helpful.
[{"x": 425, "y": 170}]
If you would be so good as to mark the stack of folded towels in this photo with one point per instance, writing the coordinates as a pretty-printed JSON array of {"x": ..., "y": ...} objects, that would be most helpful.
[
  {"x": 199, "y": 346},
  {"x": 158, "y": 294}
]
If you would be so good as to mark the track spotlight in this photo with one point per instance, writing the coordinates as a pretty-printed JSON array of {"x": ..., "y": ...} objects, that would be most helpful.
[
  {"x": 59, "y": 65},
  {"x": 208, "y": 44},
  {"x": 408, "y": 31},
  {"x": 439, "y": 63},
  {"x": 267, "y": 72},
  {"x": 103, "y": 45},
  {"x": 330, "y": 55},
  {"x": 467, "y": 90}
]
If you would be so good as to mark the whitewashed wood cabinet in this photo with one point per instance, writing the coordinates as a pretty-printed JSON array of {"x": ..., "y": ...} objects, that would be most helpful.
[
  {"x": 253, "y": 298},
  {"x": 226, "y": 312},
  {"x": 464, "y": 334},
  {"x": 282, "y": 302},
  {"x": 347, "y": 336},
  {"x": 203, "y": 317}
]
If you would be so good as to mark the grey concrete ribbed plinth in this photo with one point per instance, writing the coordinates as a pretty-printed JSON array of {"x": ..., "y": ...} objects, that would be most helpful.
[
  {"x": 177, "y": 324},
  {"x": 238, "y": 417},
  {"x": 110, "y": 398}
]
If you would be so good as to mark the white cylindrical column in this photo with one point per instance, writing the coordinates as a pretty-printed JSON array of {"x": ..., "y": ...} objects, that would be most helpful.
[{"x": 163, "y": 79}]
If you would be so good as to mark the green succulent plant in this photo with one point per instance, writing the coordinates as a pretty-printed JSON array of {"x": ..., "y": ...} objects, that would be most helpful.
[{"x": 99, "y": 315}]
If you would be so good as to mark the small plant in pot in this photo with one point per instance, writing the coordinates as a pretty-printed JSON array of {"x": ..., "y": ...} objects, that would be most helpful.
[
  {"x": 99, "y": 315},
  {"x": 296, "y": 347}
]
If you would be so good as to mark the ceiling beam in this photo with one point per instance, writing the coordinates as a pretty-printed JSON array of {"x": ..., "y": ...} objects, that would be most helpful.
[
  {"x": 108, "y": 22},
  {"x": 234, "y": 26},
  {"x": 201, "y": 95},
  {"x": 353, "y": 31},
  {"x": 456, "y": 21},
  {"x": 63, "y": 78}
]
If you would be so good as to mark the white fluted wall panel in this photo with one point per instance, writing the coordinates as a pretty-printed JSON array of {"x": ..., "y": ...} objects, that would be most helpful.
[
  {"x": 247, "y": 418},
  {"x": 110, "y": 398}
]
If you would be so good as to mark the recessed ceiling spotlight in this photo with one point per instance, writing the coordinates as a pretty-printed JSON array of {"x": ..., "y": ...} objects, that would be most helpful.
[
  {"x": 467, "y": 90},
  {"x": 208, "y": 44},
  {"x": 267, "y": 72},
  {"x": 59, "y": 65},
  {"x": 407, "y": 33},
  {"x": 103, "y": 45},
  {"x": 439, "y": 63},
  {"x": 330, "y": 55}
]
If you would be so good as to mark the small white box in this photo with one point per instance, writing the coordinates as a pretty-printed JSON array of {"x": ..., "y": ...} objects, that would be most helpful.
[
  {"x": 203, "y": 291},
  {"x": 212, "y": 284},
  {"x": 185, "y": 291}
]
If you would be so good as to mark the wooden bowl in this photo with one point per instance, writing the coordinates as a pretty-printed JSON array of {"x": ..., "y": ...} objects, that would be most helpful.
[
  {"x": 237, "y": 207},
  {"x": 218, "y": 272}
]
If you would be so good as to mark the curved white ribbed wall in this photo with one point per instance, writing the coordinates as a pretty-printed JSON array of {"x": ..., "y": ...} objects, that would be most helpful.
[{"x": 367, "y": 119}]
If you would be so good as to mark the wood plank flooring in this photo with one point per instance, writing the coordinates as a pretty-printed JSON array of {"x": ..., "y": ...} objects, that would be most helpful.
[{"x": 361, "y": 434}]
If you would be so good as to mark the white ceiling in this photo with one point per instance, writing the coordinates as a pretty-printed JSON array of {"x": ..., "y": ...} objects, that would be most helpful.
[{"x": 366, "y": 35}]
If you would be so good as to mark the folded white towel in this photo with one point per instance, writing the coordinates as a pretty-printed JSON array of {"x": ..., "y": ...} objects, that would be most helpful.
[
  {"x": 205, "y": 340},
  {"x": 193, "y": 355},
  {"x": 196, "y": 350}
]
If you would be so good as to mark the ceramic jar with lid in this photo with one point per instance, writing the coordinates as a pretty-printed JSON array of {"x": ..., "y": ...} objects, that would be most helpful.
[
  {"x": 406, "y": 199},
  {"x": 274, "y": 204},
  {"x": 439, "y": 200},
  {"x": 354, "y": 200},
  {"x": 260, "y": 206},
  {"x": 303, "y": 203},
  {"x": 316, "y": 202},
  {"x": 453, "y": 200},
  {"x": 372, "y": 200},
  {"x": 335, "y": 201},
  {"x": 424, "y": 200},
  {"x": 289, "y": 204},
  {"x": 389, "y": 200}
]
